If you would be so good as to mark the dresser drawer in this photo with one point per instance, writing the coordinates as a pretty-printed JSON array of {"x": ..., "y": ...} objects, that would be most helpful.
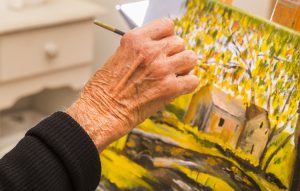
[{"x": 45, "y": 50}]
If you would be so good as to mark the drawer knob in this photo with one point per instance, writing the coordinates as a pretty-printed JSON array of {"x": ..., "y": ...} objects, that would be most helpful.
[{"x": 51, "y": 50}]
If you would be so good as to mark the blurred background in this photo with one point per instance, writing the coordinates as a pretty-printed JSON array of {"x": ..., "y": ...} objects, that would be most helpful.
[{"x": 50, "y": 48}]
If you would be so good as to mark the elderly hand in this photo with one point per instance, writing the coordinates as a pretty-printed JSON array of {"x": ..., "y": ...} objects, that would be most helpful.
[{"x": 149, "y": 69}]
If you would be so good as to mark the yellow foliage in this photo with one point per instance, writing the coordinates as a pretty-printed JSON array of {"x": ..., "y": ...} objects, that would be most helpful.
[
  {"x": 282, "y": 163},
  {"x": 213, "y": 182},
  {"x": 184, "y": 140},
  {"x": 122, "y": 172},
  {"x": 208, "y": 39},
  {"x": 264, "y": 47},
  {"x": 119, "y": 144}
]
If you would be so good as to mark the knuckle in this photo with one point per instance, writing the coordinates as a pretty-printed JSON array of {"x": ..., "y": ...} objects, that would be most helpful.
[
  {"x": 176, "y": 40},
  {"x": 170, "y": 85},
  {"x": 145, "y": 51},
  {"x": 164, "y": 70},
  {"x": 179, "y": 40},
  {"x": 159, "y": 70},
  {"x": 191, "y": 57},
  {"x": 177, "y": 88},
  {"x": 168, "y": 22},
  {"x": 129, "y": 38}
]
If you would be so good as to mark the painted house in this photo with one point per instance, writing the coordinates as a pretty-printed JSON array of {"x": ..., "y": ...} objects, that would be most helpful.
[
  {"x": 256, "y": 132},
  {"x": 215, "y": 112}
]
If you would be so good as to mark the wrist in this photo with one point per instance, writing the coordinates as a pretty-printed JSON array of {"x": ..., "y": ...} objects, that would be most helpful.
[{"x": 95, "y": 125}]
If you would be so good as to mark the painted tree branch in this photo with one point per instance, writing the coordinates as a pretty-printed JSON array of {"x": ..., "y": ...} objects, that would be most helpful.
[
  {"x": 283, "y": 127},
  {"x": 288, "y": 98},
  {"x": 275, "y": 57}
]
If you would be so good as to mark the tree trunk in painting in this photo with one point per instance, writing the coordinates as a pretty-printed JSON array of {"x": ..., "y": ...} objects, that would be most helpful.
[{"x": 277, "y": 130}]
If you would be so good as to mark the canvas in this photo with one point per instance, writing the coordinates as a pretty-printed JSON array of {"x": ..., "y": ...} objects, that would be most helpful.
[{"x": 238, "y": 131}]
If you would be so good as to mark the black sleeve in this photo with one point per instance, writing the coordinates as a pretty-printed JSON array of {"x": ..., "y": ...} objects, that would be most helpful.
[{"x": 57, "y": 154}]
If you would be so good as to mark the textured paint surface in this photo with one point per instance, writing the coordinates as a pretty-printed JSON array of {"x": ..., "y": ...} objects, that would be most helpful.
[{"x": 237, "y": 131}]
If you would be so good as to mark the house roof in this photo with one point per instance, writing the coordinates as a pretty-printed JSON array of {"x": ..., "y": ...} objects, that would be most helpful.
[
  {"x": 253, "y": 110},
  {"x": 226, "y": 102}
]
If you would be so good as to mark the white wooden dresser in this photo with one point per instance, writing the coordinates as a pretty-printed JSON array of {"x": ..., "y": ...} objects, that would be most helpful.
[
  {"x": 50, "y": 46},
  {"x": 46, "y": 46}
]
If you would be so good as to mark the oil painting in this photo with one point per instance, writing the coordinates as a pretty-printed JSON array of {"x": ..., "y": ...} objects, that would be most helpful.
[{"x": 238, "y": 131}]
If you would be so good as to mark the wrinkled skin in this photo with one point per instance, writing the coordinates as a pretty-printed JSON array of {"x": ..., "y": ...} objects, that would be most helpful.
[{"x": 149, "y": 69}]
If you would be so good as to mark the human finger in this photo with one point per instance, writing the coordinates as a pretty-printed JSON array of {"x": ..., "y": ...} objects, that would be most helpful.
[
  {"x": 185, "y": 84},
  {"x": 182, "y": 63},
  {"x": 158, "y": 29},
  {"x": 172, "y": 45}
]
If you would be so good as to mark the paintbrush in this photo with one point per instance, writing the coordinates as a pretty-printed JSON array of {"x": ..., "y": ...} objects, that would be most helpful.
[{"x": 110, "y": 28}]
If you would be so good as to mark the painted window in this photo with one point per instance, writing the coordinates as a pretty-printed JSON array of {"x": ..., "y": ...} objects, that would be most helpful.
[
  {"x": 236, "y": 128},
  {"x": 252, "y": 149},
  {"x": 261, "y": 125},
  {"x": 221, "y": 122}
]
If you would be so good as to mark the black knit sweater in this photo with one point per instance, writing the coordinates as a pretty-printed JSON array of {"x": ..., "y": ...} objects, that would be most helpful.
[{"x": 55, "y": 155}]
